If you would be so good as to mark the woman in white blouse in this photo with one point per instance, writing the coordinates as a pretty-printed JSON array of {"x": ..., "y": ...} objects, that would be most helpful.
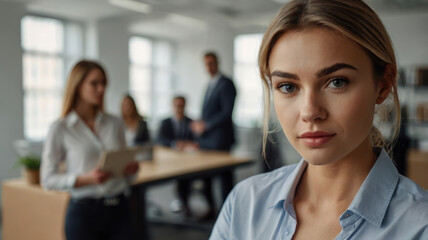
[{"x": 99, "y": 207}]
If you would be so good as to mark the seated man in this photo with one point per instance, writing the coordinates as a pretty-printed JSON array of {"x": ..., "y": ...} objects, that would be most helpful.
[{"x": 175, "y": 132}]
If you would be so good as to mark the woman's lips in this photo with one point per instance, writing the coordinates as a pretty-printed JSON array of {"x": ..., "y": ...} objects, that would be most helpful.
[{"x": 316, "y": 139}]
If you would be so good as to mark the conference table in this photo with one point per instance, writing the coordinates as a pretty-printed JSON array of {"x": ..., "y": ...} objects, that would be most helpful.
[{"x": 29, "y": 212}]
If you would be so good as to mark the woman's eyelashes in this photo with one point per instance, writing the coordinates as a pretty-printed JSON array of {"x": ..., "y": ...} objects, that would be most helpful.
[
  {"x": 286, "y": 88},
  {"x": 335, "y": 84}
]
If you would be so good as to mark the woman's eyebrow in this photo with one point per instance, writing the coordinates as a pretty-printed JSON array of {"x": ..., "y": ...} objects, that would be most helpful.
[
  {"x": 284, "y": 75},
  {"x": 334, "y": 68},
  {"x": 321, "y": 73}
]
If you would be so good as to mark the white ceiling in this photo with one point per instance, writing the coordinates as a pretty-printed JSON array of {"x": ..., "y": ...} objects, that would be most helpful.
[{"x": 187, "y": 17}]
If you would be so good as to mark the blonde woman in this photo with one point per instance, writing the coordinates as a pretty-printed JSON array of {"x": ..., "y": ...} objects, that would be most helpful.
[
  {"x": 328, "y": 64},
  {"x": 98, "y": 208}
]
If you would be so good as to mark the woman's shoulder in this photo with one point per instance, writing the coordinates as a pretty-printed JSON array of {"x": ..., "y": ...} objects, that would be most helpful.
[
  {"x": 58, "y": 124},
  {"x": 270, "y": 180},
  {"x": 408, "y": 189},
  {"x": 410, "y": 201}
]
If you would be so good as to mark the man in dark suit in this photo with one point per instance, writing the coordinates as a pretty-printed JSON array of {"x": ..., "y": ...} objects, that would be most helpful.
[
  {"x": 215, "y": 129},
  {"x": 175, "y": 132}
]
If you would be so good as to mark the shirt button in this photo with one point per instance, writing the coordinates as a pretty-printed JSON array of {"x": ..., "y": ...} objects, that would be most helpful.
[{"x": 287, "y": 233}]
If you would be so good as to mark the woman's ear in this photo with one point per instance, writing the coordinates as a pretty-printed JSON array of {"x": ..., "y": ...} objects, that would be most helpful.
[{"x": 385, "y": 84}]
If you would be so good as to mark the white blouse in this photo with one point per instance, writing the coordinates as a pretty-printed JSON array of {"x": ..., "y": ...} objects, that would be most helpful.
[
  {"x": 130, "y": 136},
  {"x": 71, "y": 141}
]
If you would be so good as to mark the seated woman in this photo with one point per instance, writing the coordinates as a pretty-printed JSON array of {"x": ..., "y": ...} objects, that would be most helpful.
[
  {"x": 136, "y": 132},
  {"x": 329, "y": 64}
]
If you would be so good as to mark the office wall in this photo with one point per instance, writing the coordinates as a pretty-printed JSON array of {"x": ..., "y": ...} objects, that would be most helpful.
[
  {"x": 11, "y": 94},
  {"x": 192, "y": 78},
  {"x": 409, "y": 34},
  {"x": 112, "y": 51}
]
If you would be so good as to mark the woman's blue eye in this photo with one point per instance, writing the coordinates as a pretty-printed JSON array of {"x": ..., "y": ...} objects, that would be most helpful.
[
  {"x": 338, "y": 83},
  {"x": 287, "y": 88}
]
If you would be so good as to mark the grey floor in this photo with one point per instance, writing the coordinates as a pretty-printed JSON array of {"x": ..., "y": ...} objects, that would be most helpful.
[
  {"x": 159, "y": 232},
  {"x": 159, "y": 200}
]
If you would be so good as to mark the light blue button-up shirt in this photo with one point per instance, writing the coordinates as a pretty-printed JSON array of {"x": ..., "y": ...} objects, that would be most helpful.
[{"x": 387, "y": 206}]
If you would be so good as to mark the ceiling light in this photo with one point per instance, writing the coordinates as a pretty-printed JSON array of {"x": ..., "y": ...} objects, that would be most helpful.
[
  {"x": 132, "y": 5},
  {"x": 188, "y": 21},
  {"x": 281, "y": 1}
]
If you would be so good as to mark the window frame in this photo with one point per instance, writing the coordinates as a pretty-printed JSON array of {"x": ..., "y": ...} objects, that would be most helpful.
[
  {"x": 152, "y": 116},
  {"x": 66, "y": 60}
]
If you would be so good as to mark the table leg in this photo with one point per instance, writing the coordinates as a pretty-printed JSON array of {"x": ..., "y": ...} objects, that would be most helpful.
[
  {"x": 227, "y": 182},
  {"x": 138, "y": 208}
]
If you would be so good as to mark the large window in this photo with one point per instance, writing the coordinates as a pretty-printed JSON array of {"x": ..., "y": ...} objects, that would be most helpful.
[
  {"x": 45, "y": 56},
  {"x": 249, "y": 102},
  {"x": 151, "y": 76}
]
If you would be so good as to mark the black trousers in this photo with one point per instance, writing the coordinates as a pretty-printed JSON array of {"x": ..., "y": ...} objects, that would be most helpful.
[
  {"x": 184, "y": 188},
  {"x": 93, "y": 219}
]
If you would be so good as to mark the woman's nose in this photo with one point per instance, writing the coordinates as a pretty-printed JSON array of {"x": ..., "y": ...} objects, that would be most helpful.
[
  {"x": 101, "y": 87},
  {"x": 312, "y": 108}
]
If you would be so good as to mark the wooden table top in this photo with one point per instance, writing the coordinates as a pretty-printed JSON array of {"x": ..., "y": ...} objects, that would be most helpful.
[{"x": 169, "y": 163}]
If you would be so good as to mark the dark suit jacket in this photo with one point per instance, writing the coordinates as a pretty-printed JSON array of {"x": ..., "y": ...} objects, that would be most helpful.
[
  {"x": 217, "y": 114},
  {"x": 167, "y": 135},
  {"x": 142, "y": 135}
]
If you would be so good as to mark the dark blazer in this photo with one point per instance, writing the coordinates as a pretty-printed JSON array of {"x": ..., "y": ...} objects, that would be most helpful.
[
  {"x": 217, "y": 114},
  {"x": 167, "y": 135},
  {"x": 143, "y": 135}
]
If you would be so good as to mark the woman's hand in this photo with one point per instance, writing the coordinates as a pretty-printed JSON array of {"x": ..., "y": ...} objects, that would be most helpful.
[
  {"x": 96, "y": 176},
  {"x": 131, "y": 169}
]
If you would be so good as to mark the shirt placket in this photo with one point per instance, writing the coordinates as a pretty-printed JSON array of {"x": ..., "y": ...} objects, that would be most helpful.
[
  {"x": 291, "y": 223},
  {"x": 349, "y": 222},
  {"x": 94, "y": 135}
]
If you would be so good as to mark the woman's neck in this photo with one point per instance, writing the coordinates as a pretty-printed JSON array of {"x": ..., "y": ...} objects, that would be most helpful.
[
  {"x": 337, "y": 182},
  {"x": 131, "y": 121},
  {"x": 86, "y": 112}
]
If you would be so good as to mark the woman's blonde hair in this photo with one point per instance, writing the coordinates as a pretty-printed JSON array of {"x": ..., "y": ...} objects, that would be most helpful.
[
  {"x": 75, "y": 80},
  {"x": 351, "y": 18},
  {"x": 135, "y": 113}
]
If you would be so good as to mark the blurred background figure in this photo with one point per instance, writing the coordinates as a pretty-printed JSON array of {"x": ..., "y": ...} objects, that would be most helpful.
[
  {"x": 99, "y": 204},
  {"x": 136, "y": 131},
  {"x": 215, "y": 130},
  {"x": 175, "y": 131}
]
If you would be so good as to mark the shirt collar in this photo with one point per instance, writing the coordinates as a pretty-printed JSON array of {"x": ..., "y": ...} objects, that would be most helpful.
[
  {"x": 72, "y": 118},
  {"x": 370, "y": 202},
  {"x": 288, "y": 189},
  {"x": 373, "y": 197},
  {"x": 176, "y": 120},
  {"x": 215, "y": 78}
]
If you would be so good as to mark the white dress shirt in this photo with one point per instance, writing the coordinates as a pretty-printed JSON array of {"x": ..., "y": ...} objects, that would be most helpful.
[
  {"x": 212, "y": 84},
  {"x": 130, "y": 136},
  {"x": 71, "y": 141}
]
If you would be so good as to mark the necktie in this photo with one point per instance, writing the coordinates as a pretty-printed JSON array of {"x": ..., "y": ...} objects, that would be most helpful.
[{"x": 181, "y": 130}]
